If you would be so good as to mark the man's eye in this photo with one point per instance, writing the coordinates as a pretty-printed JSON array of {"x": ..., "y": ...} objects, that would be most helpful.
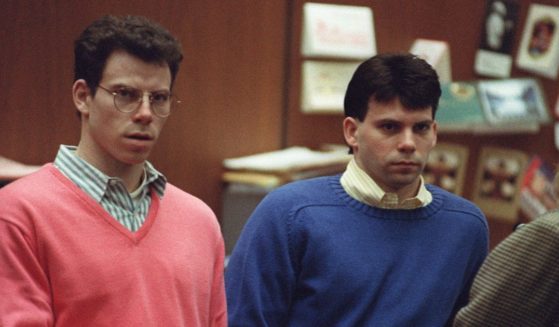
[
  {"x": 160, "y": 97},
  {"x": 389, "y": 127},
  {"x": 422, "y": 127},
  {"x": 128, "y": 94}
]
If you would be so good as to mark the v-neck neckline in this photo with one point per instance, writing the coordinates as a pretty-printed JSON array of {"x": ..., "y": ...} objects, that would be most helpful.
[{"x": 135, "y": 237}]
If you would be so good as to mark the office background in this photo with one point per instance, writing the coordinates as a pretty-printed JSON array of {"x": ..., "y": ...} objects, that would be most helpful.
[{"x": 239, "y": 81}]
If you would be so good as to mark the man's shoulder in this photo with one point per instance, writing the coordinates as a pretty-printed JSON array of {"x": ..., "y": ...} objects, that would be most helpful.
[
  {"x": 313, "y": 191},
  {"x": 29, "y": 184},
  {"x": 548, "y": 221},
  {"x": 312, "y": 188},
  {"x": 457, "y": 205},
  {"x": 310, "y": 183},
  {"x": 179, "y": 199},
  {"x": 35, "y": 193},
  {"x": 452, "y": 200}
]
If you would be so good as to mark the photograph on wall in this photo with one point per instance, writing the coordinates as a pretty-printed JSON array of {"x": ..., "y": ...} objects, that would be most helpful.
[
  {"x": 446, "y": 167},
  {"x": 459, "y": 108},
  {"x": 324, "y": 84},
  {"x": 333, "y": 30},
  {"x": 499, "y": 176},
  {"x": 536, "y": 193},
  {"x": 513, "y": 101},
  {"x": 539, "y": 48},
  {"x": 494, "y": 55},
  {"x": 437, "y": 54}
]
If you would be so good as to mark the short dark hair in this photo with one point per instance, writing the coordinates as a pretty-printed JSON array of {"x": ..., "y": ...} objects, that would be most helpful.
[
  {"x": 135, "y": 35},
  {"x": 386, "y": 77}
]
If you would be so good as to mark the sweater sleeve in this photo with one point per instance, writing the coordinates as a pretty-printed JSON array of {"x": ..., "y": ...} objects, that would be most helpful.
[
  {"x": 517, "y": 285},
  {"x": 25, "y": 299},
  {"x": 260, "y": 277}
]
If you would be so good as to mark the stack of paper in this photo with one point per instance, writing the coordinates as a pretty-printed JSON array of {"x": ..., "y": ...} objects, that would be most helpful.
[
  {"x": 277, "y": 167},
  {"x": 10, "y": 169}
]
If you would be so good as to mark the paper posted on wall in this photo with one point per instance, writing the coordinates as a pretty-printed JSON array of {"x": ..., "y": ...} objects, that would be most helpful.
[
  {"x": 332, "y": 30},
  {"x": 539, "y": 48},
  {"x": 537, "y": 195},
  {"x": 494, "y": 55},
  {"x": 437, "y": 54}
]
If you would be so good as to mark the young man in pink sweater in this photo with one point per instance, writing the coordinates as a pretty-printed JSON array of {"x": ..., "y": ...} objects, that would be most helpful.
[{"x": 98, "y": 237}]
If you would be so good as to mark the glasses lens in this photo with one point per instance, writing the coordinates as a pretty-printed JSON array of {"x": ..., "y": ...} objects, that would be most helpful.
[
  {"x": 127, "y": 100},
  {"x": 161, "y": 103}
]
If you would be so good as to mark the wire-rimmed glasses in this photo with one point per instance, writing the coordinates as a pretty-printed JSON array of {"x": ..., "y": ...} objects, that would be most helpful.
[{"x": 128, "y": 99}]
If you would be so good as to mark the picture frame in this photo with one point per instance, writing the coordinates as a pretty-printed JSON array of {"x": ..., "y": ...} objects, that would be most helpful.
[
  {"x": 539, "y": 47},
  {"x": 494, "y": 55},
  {"x": 537, "y": 195},
  {"x": 333, "y": 30},
  {"x": 509, "y": 101},
  {"x": 498, "y": 181},
  {"x": 446, "y": 167},
  {"x": 324, "y": 84},
  {"x": 437, "y": 54}
]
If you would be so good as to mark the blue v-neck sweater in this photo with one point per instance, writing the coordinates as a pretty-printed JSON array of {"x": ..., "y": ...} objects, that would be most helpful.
[{"x": 311, "y": 255}]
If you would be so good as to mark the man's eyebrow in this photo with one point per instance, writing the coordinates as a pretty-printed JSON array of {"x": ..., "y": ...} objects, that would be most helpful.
[
  {"x": 128, "y": 87},
  {"x": 387, "y": 120}
]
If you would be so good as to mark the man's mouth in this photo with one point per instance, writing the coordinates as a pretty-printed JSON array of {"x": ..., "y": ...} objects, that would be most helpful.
[
  {"x": 406, "y": 163},
  {"x": 140, "y": 136}
]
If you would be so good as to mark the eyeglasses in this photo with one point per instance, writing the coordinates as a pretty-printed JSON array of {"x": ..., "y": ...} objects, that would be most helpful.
[{"x": 128, "y": 99}]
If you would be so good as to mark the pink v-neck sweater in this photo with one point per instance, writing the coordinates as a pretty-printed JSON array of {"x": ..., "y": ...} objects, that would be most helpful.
[{"x": 65, "y": 261}]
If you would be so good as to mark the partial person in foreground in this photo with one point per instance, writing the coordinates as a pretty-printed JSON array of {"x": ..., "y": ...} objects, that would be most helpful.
[
  {"x": 374, "y": 246},
  {"x": 99, "y": 237},
  {"x": 518, "y": 284}
]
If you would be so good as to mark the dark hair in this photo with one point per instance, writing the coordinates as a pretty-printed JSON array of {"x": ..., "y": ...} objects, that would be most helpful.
[
  {"x": 135, "y": 35},
  {"x": 386, "y": 77}
]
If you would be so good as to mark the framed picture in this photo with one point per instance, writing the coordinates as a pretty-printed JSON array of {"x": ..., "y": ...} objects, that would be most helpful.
[
  {"x": 446, "y": 167},
  {"x": 539, "y": 48},
  {"x": 332, "y": 30},
  {"x": 437, "y": 54},
  {"x": 498, "y": 181},
  {"x": 537, "y": 194},
  {"x": 324, "y": 84},
  {"x": 493, "y": 58},
  {"x": 517, "y": 100},
  {"x": 499, "y": 26}
]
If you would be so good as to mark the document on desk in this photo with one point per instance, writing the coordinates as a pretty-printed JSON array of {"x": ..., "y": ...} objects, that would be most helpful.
[
  {"x": 11, "y": 169},
  {"x": 289, "y": 159}
]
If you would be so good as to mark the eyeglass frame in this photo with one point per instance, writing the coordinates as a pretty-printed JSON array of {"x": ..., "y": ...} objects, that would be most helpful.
[{"x": 172, "y": 100}]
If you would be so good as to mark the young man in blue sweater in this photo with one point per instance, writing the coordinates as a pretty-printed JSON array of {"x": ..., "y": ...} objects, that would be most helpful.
[{"x": 374, "y": 246}]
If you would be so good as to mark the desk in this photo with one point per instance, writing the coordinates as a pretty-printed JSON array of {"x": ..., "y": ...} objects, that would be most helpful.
[
  {"x": 11, "y": 170},
  {"x": 239, "y": 200}
]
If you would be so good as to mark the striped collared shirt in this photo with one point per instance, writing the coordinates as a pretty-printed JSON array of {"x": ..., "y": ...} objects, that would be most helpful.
[
  {"x": 129, "y": 209},
  {"x": 363, "y": 188}
]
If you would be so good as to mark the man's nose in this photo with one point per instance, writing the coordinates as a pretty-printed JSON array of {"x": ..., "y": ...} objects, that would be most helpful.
[
  {"x": 407, "y": 141},
  {"x": 144, "y": 112}
]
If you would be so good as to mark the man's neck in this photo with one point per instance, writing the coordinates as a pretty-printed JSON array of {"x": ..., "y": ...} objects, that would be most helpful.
[{"x": 131, "y": 175}]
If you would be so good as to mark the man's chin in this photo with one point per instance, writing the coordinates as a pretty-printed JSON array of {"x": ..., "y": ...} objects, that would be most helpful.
[
  {"x": 137, "y": 159},
  {"x": 405, "y": 180}
]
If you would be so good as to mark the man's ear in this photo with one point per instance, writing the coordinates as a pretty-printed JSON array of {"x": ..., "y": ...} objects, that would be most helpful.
[
  {"x": 435, "y": 126},
  {"x": 350, "y": 125},
  {"x": 82, "y": 96}
]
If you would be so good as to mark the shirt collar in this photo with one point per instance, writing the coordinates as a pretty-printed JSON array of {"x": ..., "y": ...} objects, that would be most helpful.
[
  {"x": 359, "y": 185},
  {"x": 95, "y": 182}
]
